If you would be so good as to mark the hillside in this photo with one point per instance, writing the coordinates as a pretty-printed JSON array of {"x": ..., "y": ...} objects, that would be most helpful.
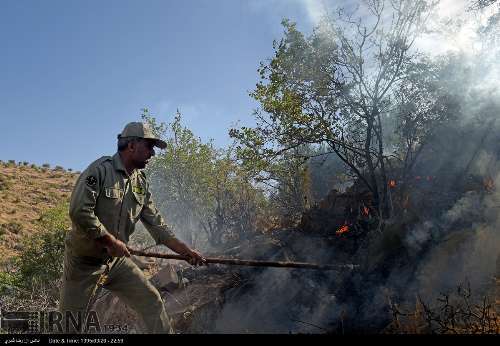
[
  {"x": 26, "y": 191},
  {"x": 397, "y": 265}
]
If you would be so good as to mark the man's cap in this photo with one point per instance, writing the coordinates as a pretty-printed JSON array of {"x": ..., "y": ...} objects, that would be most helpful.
[{"x": 141, "y": 130}]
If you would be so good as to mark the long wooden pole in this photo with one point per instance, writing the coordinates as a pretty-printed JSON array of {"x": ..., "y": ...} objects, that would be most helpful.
[{"x": 252, "y": 263}]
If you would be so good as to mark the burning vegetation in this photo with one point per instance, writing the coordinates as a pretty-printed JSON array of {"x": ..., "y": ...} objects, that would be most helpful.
[{"x": 367, "y": 151}]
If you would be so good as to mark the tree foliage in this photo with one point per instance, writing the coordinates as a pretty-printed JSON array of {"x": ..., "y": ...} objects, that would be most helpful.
[
  {"x": 337, "y": 87},
  {"x": 202, "y": 190}
]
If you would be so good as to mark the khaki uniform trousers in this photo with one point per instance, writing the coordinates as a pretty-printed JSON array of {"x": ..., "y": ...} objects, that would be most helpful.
[{"x": 125, "y": 280}]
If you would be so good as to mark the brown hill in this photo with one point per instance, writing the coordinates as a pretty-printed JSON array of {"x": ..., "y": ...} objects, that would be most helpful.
[{"x": 26, "y": 191}]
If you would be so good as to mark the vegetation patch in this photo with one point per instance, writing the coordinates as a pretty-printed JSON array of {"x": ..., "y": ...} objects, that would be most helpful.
[
  {"x": 12, "y": 227},
  {"x": 5, "y": 183}
]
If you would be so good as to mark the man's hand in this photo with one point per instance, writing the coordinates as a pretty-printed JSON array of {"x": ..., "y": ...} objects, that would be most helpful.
[
  {"x": 114, "y": 247},
  {"x": 194, "y": 257}
]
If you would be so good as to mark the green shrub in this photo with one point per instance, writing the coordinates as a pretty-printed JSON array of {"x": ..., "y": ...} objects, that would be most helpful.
[
  {"x": 59, "y": 168},
  {"x": 25, "y": 163},
  {"x": 8, "y": 281},
  {"x": 12, "y": 162},
  {"x": 33, "y": 165},
  {"x": 38, "y": 267},
  {"x": 46, "y": 165},
  {"x": 41, "y": 258}
]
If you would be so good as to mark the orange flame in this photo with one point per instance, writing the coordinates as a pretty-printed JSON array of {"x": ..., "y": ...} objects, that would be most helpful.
[
  {"x": 489, "y": 184},
  {"x": 392, "y": 184},
  {"x": 342, "y": 229},
  {"x": 366, "y": 211}
]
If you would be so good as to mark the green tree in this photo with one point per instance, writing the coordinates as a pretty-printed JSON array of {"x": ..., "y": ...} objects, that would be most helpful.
[
  {"x": 422, "y": 105},
  {"x": 336, "y": 88},
  {"x": 200, "y": 188}
]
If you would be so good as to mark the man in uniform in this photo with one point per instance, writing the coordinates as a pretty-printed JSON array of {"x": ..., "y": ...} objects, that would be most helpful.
[{"x": 110, "y": 196}]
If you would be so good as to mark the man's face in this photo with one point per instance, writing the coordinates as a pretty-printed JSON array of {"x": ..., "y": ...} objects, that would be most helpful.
[{"x": 143, "y": 150}]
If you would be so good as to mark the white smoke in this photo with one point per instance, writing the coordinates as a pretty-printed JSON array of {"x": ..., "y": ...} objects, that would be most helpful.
[
  {"x": 419, "y": 236},
  {"x": 454, "y": 28}
]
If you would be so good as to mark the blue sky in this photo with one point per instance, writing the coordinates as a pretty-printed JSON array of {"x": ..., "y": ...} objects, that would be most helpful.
[{"x": 74, "y": 72}]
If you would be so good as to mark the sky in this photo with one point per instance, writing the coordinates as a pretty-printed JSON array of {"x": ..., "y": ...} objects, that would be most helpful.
[{"x": 74, "y": 72}]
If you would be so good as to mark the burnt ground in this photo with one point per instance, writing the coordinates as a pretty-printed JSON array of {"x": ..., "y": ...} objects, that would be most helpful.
[
  {"x": 437, "y": 242},
  {"x": 230, "y": 299}
]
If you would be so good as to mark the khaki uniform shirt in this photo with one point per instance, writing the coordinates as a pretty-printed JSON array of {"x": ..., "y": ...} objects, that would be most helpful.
[{"x": 105, "y": 200}]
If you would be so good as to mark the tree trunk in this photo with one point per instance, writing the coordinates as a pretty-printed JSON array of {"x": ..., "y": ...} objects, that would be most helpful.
[{"x": 371, "y": 167}]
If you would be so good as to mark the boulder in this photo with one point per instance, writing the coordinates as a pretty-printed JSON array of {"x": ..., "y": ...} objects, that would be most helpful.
[{"x": 166, "y": 278}]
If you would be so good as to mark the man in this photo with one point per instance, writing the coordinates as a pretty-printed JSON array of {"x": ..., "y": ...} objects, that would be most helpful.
[{"x": 110, "y": 196}]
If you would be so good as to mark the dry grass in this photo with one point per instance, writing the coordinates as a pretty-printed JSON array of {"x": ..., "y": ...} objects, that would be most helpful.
[
  {"x": 456, "y": 313},
  {"x": 26, "y": 192}
]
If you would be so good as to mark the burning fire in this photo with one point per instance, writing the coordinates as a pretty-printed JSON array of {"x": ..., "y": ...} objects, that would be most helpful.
[
  {"x": 392, "y": 184},
  {"x": 366, "y": 211},
  {"x": 342, "y": 229},
  {"x": 489, "y": 184}
]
